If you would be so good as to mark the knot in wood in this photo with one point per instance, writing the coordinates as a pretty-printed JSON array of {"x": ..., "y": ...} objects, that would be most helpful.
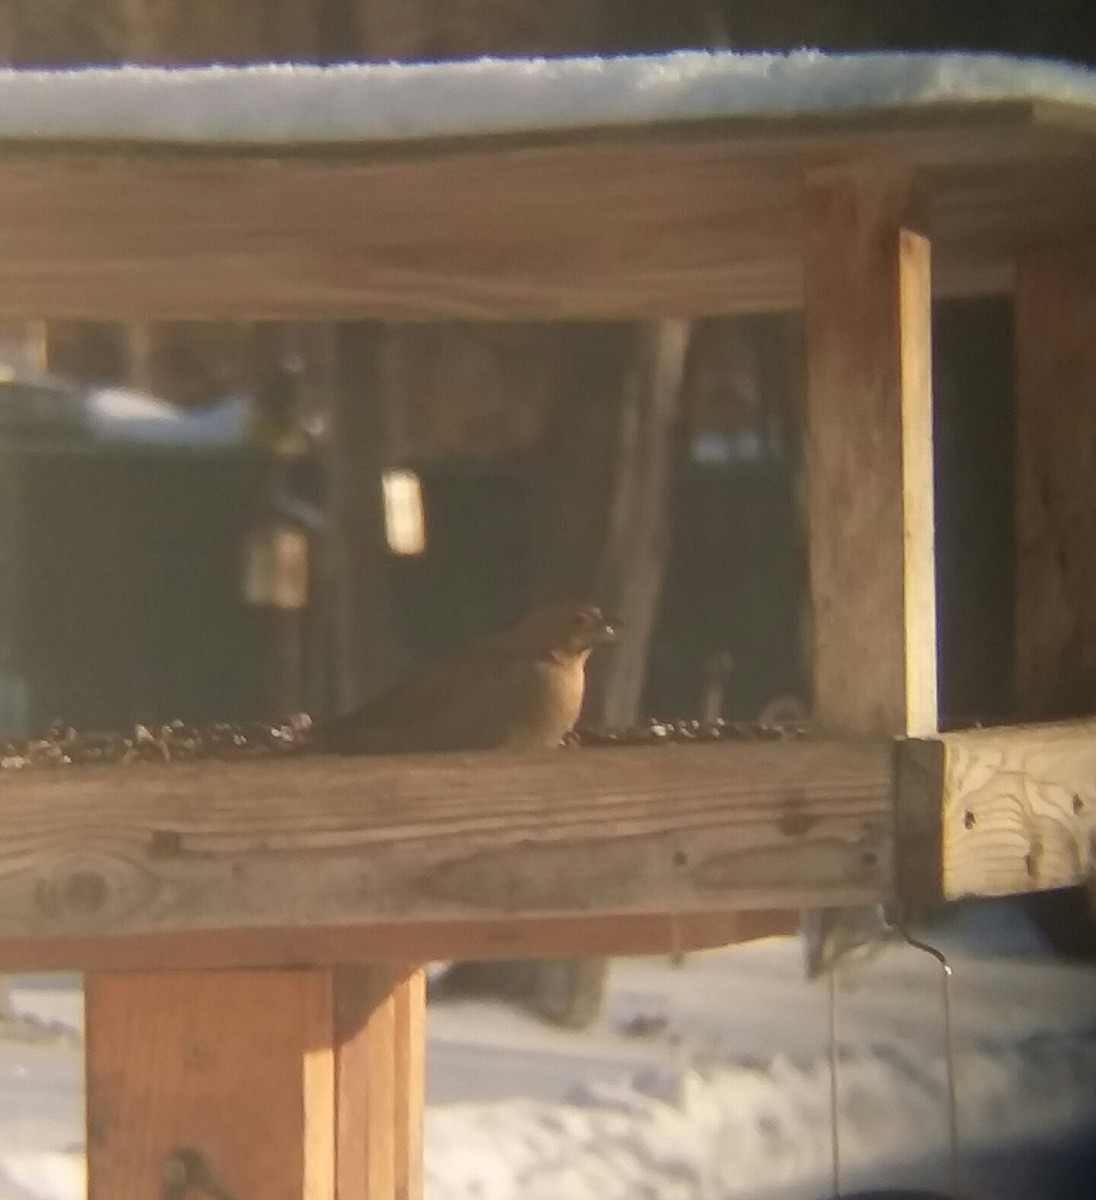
[{"x": 87, "y": 891}]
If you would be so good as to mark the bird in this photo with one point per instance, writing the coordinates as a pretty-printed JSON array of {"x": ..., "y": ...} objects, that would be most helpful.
[{"x": 518, "y": 689}]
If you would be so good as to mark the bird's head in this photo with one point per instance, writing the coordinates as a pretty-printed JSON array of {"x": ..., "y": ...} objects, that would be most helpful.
[{"x": 563, "y": 630}]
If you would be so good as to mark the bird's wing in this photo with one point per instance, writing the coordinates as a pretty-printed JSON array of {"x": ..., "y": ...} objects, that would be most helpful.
[{"x": 438, "y": 707}]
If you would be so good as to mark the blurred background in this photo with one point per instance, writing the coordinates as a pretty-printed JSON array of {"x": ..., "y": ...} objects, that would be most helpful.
[{"x": 324, "y": 506}]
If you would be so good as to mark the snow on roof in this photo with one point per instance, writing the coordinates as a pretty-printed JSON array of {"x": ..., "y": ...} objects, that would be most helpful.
[{"x": 356, "y": 102}]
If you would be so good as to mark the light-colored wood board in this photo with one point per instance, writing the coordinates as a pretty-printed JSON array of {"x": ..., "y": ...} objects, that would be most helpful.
[
  {"x": 380, "y": 1042},
  {"x": 569, "y": 226},
  {"x": 327, "y": 841},
  {"x": 366, "y": 1080},
  {"x": 869, "y": 455},
  {"x": 1019, "y": 811},
  {"x": 214, "y": 1062},
  {"x": 409, "y": 997},
  {"x": 1055, "y": 337},
  {"x": 325, "y": 945}
]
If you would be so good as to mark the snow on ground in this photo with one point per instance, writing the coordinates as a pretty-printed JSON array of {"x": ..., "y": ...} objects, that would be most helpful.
[{"x": 706, "y": 1081}]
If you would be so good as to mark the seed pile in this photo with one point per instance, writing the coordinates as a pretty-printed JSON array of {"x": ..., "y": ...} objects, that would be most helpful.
[
  {"x": 175, "y": 741},
  {"x": 180, "y": 741}
]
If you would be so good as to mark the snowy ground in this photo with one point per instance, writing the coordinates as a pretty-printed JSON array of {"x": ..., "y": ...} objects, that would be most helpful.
[{"x": 707, "y": 1081}]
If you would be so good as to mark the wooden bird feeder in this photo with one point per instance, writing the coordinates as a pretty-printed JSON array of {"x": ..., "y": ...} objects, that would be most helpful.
[{"x": 251, "y": 932}]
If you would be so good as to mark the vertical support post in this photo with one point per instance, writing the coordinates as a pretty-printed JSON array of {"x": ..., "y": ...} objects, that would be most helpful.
[
  {"x": 869, "y": 455},
  {"x": 1055, "y": 326},
  {"x": 869, "y": 490},
  {"x": 290, "y": 1085}
]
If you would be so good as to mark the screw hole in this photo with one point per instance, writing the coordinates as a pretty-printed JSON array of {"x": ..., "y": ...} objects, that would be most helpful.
[
  {"x": 681, "y": 859},
  {"x": 869, "y": 858},
  {"x": 968, "y": 819}
]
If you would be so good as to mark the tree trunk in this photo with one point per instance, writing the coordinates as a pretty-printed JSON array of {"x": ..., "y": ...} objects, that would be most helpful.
[
  {"x": 359, "y": 586},
  {"x": 610, "y": 448}
]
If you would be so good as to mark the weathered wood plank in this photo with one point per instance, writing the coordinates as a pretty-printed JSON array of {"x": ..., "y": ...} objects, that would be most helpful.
[
  {"x": 1055, "y": 323},
  {"x": 325, "y": 945},
  {"x": 235, "y": 1065},
  {"x": 611, "y": 225},
  {"x": 869, "y": 456},
  {"x": 420, "y": 839},
  {"x": 1019, "y": 810}
]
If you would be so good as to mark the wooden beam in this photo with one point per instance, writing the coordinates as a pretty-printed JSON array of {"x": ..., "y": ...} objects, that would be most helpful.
[
  {"x": 297, "y": 1085},
  {"x": 324, "y": 841},
  {"x": 1055, "y": 324},
  {"x": 326, "y": 945},
  {"x": 1018, "y": 813},
  {"x": 869, "y": 456},
  {"x": 604, "y": 225}
]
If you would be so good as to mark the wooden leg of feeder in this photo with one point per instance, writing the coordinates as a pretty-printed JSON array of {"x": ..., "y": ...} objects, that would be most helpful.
[
  {"x": 289, "y": 1085},
  {"x": 869, "y": 477},
  {"x": 1055, "y": 498},
  {"x": 380, "y": 1029},
  {"x": 869, "y": 456}
]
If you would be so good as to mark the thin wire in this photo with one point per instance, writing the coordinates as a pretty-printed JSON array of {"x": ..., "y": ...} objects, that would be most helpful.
[
  {"x": 835, "y": 1116},
  {"x": 949, "y": 1047}
]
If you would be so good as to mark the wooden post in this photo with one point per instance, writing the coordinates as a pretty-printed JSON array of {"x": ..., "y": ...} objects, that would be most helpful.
[
  {"x": 869, "y": 456},
  {"x": 291, "y": 1085},
  {"x": 1055, "y": 499},
  {"x": 869, "y": 473},
  {"x": 1055, "y": 315}
]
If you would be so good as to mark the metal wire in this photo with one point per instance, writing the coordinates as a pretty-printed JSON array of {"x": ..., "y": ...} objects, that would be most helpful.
[
  {"x": 949, "y": 1048},
  {"x": 835, "y": 1115},
  {"x": 897, "y": 924}
]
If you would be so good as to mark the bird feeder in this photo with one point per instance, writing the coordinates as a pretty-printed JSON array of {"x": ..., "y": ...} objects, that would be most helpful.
[{"x": 251, "y": 931}]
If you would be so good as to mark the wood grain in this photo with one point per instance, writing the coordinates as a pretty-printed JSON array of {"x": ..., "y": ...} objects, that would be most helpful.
[
  {"x": 325, "y": 945},
  {"x": 409, "y": 999},
  {"x": 380, "y": 1091},
  {"x": 1019, "y": 809},
  {"x": 869, "y": 456},
  {"x": 1055, "y": 323},
  {"x": 302, "y": 1084},
  {"x": 918, "y": 824},
  {"x": 324, "y": 841},
  {"x": 213, "y": 1061},
  {"x": 673, "y": 220}
]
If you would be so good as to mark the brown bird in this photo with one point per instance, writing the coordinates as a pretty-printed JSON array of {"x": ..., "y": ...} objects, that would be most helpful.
[{"x": 520, "y": 689}]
